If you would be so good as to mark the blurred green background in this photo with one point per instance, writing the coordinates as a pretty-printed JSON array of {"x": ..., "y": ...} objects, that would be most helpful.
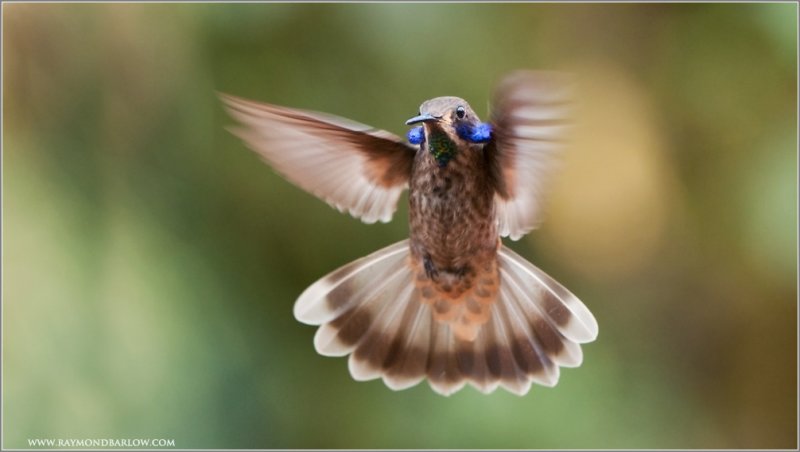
[{"x": 151, "y": 261}]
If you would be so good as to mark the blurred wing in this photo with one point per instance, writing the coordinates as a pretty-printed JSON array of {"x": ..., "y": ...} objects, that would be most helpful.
[
  {"x": 351, "y": 166},
  {"x": 529, "y": 120}
]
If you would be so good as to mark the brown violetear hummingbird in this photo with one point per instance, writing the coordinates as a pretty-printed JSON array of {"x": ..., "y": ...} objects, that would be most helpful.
[{"x": 450, "y": 303}]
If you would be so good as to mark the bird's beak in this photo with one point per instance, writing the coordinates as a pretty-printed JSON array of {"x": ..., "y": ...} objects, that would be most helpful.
[{"x": 421, "y": 118}]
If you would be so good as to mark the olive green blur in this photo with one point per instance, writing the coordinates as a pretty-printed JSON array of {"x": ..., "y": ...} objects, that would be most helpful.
[{"x": 151, "y": 261}]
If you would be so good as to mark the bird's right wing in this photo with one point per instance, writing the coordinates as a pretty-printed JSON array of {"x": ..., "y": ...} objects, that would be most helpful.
[{"x": 351, "y": 166}]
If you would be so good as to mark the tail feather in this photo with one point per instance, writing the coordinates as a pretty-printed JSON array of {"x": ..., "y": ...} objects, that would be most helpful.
[
  {"x": 528, "y": 354},
  {"x": 444, "y": 376},
  {"x": 500, "y": 355},
  {"x": 341, "y": 336},
  {"x": 561, "y": 307},
  {"x": 408, "y": 369},
  {"x": 549, "y": 343},
  {"x": 340, "y": 290},
  {"x": 367, "y": 361},
  {"x": 372, "y": 310},
  {"x": 472, "y": 362}
]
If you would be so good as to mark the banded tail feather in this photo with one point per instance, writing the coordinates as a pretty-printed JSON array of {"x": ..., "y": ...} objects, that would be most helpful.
[{"x": 372, "y": 311}]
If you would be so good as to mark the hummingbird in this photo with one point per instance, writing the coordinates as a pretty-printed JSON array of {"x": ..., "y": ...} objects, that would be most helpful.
[{"x": 450, "y": 304}]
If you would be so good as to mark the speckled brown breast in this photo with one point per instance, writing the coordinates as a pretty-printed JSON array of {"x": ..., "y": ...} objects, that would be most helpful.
[{"x": 454, "y": 238}]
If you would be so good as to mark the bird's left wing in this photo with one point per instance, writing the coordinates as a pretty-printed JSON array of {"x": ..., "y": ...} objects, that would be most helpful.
[
  {"x": 351, "y": 166},
  {"x": 530, "y": 118}
]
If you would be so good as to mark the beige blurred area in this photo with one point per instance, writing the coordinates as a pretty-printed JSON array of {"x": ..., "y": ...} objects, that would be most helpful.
[
  {"x": 150, "y": 261},
  {"x": 617, "y": 161}
]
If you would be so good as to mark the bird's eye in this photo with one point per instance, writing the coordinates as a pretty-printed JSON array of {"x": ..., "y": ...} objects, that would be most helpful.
[{"x": 460, "y": 112}]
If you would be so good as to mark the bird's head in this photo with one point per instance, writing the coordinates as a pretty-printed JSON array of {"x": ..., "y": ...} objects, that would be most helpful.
[{"x": 452, "y": 116}]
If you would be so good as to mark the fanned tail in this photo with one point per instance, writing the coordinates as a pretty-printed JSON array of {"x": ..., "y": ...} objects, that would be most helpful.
[{"x": 371, "y": 310}]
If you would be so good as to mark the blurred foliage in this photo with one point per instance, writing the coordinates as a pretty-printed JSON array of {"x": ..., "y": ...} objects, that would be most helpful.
[{"x": 151, "y": 261}]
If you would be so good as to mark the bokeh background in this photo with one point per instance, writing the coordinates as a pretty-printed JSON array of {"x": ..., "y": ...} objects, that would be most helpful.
[{"x": 151, "y": 261}]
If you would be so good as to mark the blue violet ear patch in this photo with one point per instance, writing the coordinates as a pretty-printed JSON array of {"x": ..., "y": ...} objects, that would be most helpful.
[
  {"x": 416, "y": 135},
  {"x": 480, "y": 133}
]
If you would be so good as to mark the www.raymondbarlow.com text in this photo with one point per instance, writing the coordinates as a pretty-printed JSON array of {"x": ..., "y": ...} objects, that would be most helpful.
[{"x": 100, "y": 442}]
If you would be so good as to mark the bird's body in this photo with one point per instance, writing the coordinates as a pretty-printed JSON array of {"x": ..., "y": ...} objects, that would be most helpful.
[
  {"x": 453, "y": 233},
  {"x": 451, "y": 303}
]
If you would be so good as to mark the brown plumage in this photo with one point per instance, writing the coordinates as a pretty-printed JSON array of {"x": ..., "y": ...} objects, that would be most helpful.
[
  {"x": 451, "y": 303},
  {"x": 453, "y": 233}
]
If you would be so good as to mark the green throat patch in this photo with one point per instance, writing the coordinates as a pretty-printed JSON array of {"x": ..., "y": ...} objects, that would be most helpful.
[{"x": 441, "y": 147}]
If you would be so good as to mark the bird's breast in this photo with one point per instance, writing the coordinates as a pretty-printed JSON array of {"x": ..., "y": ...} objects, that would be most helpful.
[{"x": 451, "y": 210}]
